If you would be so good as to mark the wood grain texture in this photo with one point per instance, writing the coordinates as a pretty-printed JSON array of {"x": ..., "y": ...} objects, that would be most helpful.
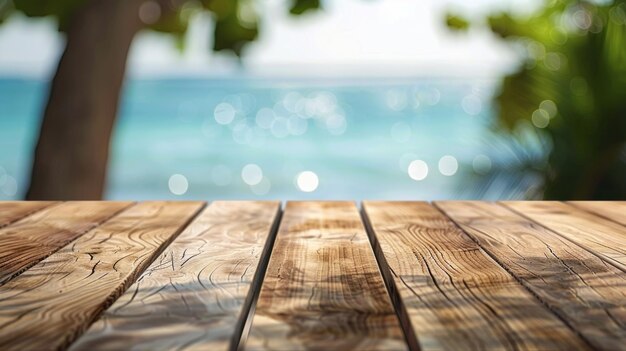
[
  {"x": 52, "y": 303},
  {"x": 613, "y": 210},
  {"x": 601, "y": 236},
  {"x": 196, "y": 294},
  {"x": 11, "y": 211},
  {"x": 454, "y": 294},
  {"x": 28, "y": 241},
  {"x": 323, "y": 289},
  {"x": 585, "y": 291}
]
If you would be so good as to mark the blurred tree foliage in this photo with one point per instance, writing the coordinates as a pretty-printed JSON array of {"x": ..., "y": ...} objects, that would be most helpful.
[
  {"x": 571, "y": 88},
  {"x": 236, "y": 21},
  {"x": 72, "y": 151},
  {"x": 456, "y": 22}
]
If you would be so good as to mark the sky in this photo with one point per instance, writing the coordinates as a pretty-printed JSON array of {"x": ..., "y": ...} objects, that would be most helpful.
[{"x": 349, "y": 37}]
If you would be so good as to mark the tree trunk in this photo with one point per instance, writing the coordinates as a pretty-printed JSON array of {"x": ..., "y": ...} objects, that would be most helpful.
[{"x": 73, "y": 147}]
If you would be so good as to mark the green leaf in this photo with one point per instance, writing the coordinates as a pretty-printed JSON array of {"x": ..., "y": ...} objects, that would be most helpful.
[
  {"x": 575, "y": 57},
  {"x": 456, "y": 23},
  {"x": 6, "y": 9},
  {"x": 61, "y": 9},
  {"x": 173, "y": 23},
  {"x": 231, "y": 34},
  {"x": 299, "y": 7}
]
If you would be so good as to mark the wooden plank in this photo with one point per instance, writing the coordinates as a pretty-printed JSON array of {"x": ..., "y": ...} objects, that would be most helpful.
[
  {"x": 52, "y": 303},
  {"x": 196, "y": 295},
  {"x": 454, "y": 294},
  {"x": 605, "y": 238},
  {"x": 28, "y": 241},
  {"x": 323, "y": 289},
  {"x": 11, "y": 211},
  {"x": 613, "y": 210},
  {"x": 586, "y": 292}
]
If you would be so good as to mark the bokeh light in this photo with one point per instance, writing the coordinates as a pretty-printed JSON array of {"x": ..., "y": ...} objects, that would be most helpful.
[
  {"x": 224, "y": 113},
  {"x": 448, "y": 165},
  {"x": 550, "y": 107},
  {"x": 307, "y": 181},
  {"x": 252, "y": 174},
  {"x": 265, "y": 117},
  {"x": 178, "y": 184},
  {"x": 471, "y": 104},
  {"x": 418, "y": 170},
  {"x": 540, "y": 118}
]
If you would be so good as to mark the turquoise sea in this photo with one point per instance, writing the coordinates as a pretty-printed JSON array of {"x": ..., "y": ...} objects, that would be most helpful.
[{"x": 252, "y": 138}]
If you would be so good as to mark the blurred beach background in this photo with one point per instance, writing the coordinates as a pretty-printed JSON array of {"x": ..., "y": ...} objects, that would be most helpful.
[{"x": 359, "y": 100}]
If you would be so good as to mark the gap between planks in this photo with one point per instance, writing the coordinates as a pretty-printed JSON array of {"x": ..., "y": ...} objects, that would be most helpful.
[
  {"x": 248, "y": 314},
  {"x": 385, "y": 270},
  {"x": 47, "y": 306},
  {"x": 400, "y": 309},
  {"x": 583, "y": 290},
  {"x": 470, "y": 300},
  {"x": 199, "y": 292},
  {"x": 323, "y": 288}
]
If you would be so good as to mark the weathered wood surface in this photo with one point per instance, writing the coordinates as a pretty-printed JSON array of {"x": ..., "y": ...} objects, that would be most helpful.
[
  {"x": 52, "y": 303},
  {"x": 455, "y": 295},
  {"x": 585, "y": 291},
  {"x": 196, "y": 294},
  {"x": 613, "y": 210},
  {"x": 28, "y": 241},
  {"x": 514, "y": 275},
  {"x": 11, "y": 211},
  {"x": 601, "y": 236},
  {"x": 323, "y": 289}
]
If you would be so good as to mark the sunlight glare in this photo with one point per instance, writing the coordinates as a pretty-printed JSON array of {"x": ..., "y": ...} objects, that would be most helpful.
[{"x": 307, "y": 181}]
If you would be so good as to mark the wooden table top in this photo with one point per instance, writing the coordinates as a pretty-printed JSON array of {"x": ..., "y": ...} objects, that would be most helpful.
[{"x": 256, "y": 275}]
